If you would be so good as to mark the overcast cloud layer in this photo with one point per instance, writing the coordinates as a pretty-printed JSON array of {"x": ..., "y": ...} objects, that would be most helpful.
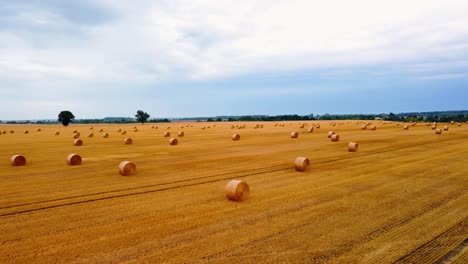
[{"x": 204, "y": 58}]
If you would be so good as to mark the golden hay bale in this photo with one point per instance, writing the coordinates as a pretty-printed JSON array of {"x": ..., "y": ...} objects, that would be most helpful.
[
  {"x": 4, "y": 132},
  {"x": 294, "y": 134},
  {"x": 235, "y": 137},
  {"x": 237, "y": 191},
  {"x": 458, "y": 124},
  {"x": 173, "y": 141},
  {"x": 91, "y": 134},
  {"x": 364, "y": 127},
  {"x": 76, "y": 135},
  {"x": 127, "y": 168},
  {"x": 406, "y": 127},
  {"x": 373, "y": 127},
  {"x": 310, "y": 129},
  {"x": 352, "y": 146},
  {"x": 301, "y": 164},
  {"x": 413, "y": 124},
  {"x": 317, "y": 125},
  {"x": 119, "y": 130},
  {"x": 301, "y": 126},
  {"x": 134, "y": 127},
  {"x": 39, "y": 130},
  {"x": 73, "y": 159},
  {"x": 135, "y": 130},
  {"x": 105, "y": 135},
  {"x": 156, "y": 127},
  {"x": 124, "y": 132},
  {"x": 168, "y": 127},
  {"x": 181, "y": 134},
  {"x": 128, "y": 141},
  {"x": 78, "y": 142},
  {"x": 18, "y": 160},
  {"x": 91, "y": 128},
  {"x": 397, "y": 124},
  {"x": 335, "y": 137},
  {"x": 434, "y": 127},
  {"x": 452, "y": 122},
  {"x": 167, "y": 134},
  {"x": 446, "y": 128},
  {"x": 101, "y": 130},
  {"x": 12, "y": 131},
  {"x": 75, "y": 131},
  {"x": 330, "y": 134},
  {"x": 26, "y": 131},
  {"x": 232, "y": 127},
  {"x": 438, "y": 131},
  {"x": 57, "y": 133}
]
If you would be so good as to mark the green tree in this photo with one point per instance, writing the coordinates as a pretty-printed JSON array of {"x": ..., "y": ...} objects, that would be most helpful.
[
  {"x": 66, "y": 117},
  {"x": 142, "y": 116}
]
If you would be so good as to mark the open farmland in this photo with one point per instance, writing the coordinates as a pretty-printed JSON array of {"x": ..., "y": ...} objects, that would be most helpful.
[{"x": 401, "y": 197}]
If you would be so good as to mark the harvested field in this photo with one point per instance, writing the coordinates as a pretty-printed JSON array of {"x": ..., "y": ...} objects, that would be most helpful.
[{"x": 402, "y": 197}]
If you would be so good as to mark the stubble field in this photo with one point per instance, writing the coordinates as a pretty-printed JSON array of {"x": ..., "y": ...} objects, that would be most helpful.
[{"x": 402, "y": 197}]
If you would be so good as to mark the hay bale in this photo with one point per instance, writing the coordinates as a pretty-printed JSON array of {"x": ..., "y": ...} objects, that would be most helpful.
[
  {"x": 294, "y": 134},
  {"x": 128, "y": 141},
  {"x": 364, "y": 127},
  {"x": 75, "y": 131},
  {"x": 12, "y": 131},
  {"x": 78, "y": 142},
  {"x": 4, "y": 132},
  {"x": 301, "y": 164},
  {"x": 91, "y": 134},
  {"x": 434, "y": 127},
  {"x": 119, "y": 130},
  {"x": 73, "y": 159},
  {"x": 438, "y": 131},
  {"x": 57, "y": 133},
  {"x": 105, "y": 135},
  {"x": 124, "y": 132},
  {"x": 335, "y": 137},
  {"x": 168, "y": 127},
  {"x": 135, "y": 130},
  {"x": 237, "y": 191},
  {"x": 76, "y": 135},
  {"x": 235, "y": 137},
  {"x": 310, "y": 129},
  {"x": 127, "y": 168},
  {"x": 101, "y": 130},
  {"x": 458, "y": 124},
  {"x": 373, "y": 127},
  {"x": 452, "y": 122},
  {"x": 173, "y": 141},
  {"x": 330, "y": 134},
  {"x": 352, "y": 146},
  {"x": 317, "y": 125},
  {"x": 406, "y": 127},
  {"x": 39, "y": 130},
  {"x": 91, "y": 128},
  {"x": 18, "y": 160},
  {"x": 167, "y": 134},
  {"x": 181, "y": 134},
  {"x": 26, "y": 131},
  {"x": 446, "y": 128}
]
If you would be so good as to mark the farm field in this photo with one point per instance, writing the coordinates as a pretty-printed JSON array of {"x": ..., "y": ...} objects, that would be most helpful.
[{"x": 401, "y": 197}]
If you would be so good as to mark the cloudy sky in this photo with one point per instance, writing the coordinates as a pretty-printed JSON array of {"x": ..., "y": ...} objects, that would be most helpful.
[{"x": 175, "y": 58}]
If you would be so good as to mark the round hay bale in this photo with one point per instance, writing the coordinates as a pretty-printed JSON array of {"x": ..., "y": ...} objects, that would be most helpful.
[
  {"x": 364, "y": 127},
  {"x": 26, "y": 131},
  {"x": 438, "y": 131},
  {"x": 310, "y": 129},
  {"x": 18, "y": 160},
  {"x": 105, "y": 135},
  {"x": 101, "y": 130},
  {"x": 173, "y": 141},
  {"x": 119, "y": 130},
  {"x": 12, "y": 131},
  {"x": 128, "y": 141},
  {"x": 237, "y": 191},
  {"x": 91, "y": 134},
  {"x": 75, "y": 131},
  {"x": 39, "y": 130},
  {"x": 335, "y": 137},
  {"x": 330, "y": 134},
  {"x": 73, "y": 159},
  {"x": 181, "y": 134},
  {"x": 91, "y": 128},
  {"x": 317, "y": 125},
  {"x": 124, "y": 132},
  {"x": 235, "y": 137},
  {"x": 167, "y": 134},
  {"x": 4, "y": 132},
  {"x": 373, "y": 127},
  {"x": 301, "y": 164},
  {"x": 78, "y": 142},
  {"x": 446, "y": 128},
  {"x": 458, "y": 124},
  {"x": 127, "y": 168},
  {"x": 434, "y": 127},
  {"x": 294, "y": 134},
  {"x": 135, "y": 130},
  {"x": 168, "y": 127},
  {"x": 301, "y": 126},
  {"x": 76, "y": 135},
  {"x": 452, "y": 122},
  {"x": 134, "y": 127},
  {"x": 406, "y": 127},
  {"x": 57, "y": 133},
  {"x": 352, "y": 146}
]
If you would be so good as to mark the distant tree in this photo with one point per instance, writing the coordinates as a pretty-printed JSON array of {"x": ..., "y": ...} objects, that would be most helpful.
[
  {"x": 219, "y": 120},
  {"x": 66, "y": 117},
  {"x": 142, "y": 116}
]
